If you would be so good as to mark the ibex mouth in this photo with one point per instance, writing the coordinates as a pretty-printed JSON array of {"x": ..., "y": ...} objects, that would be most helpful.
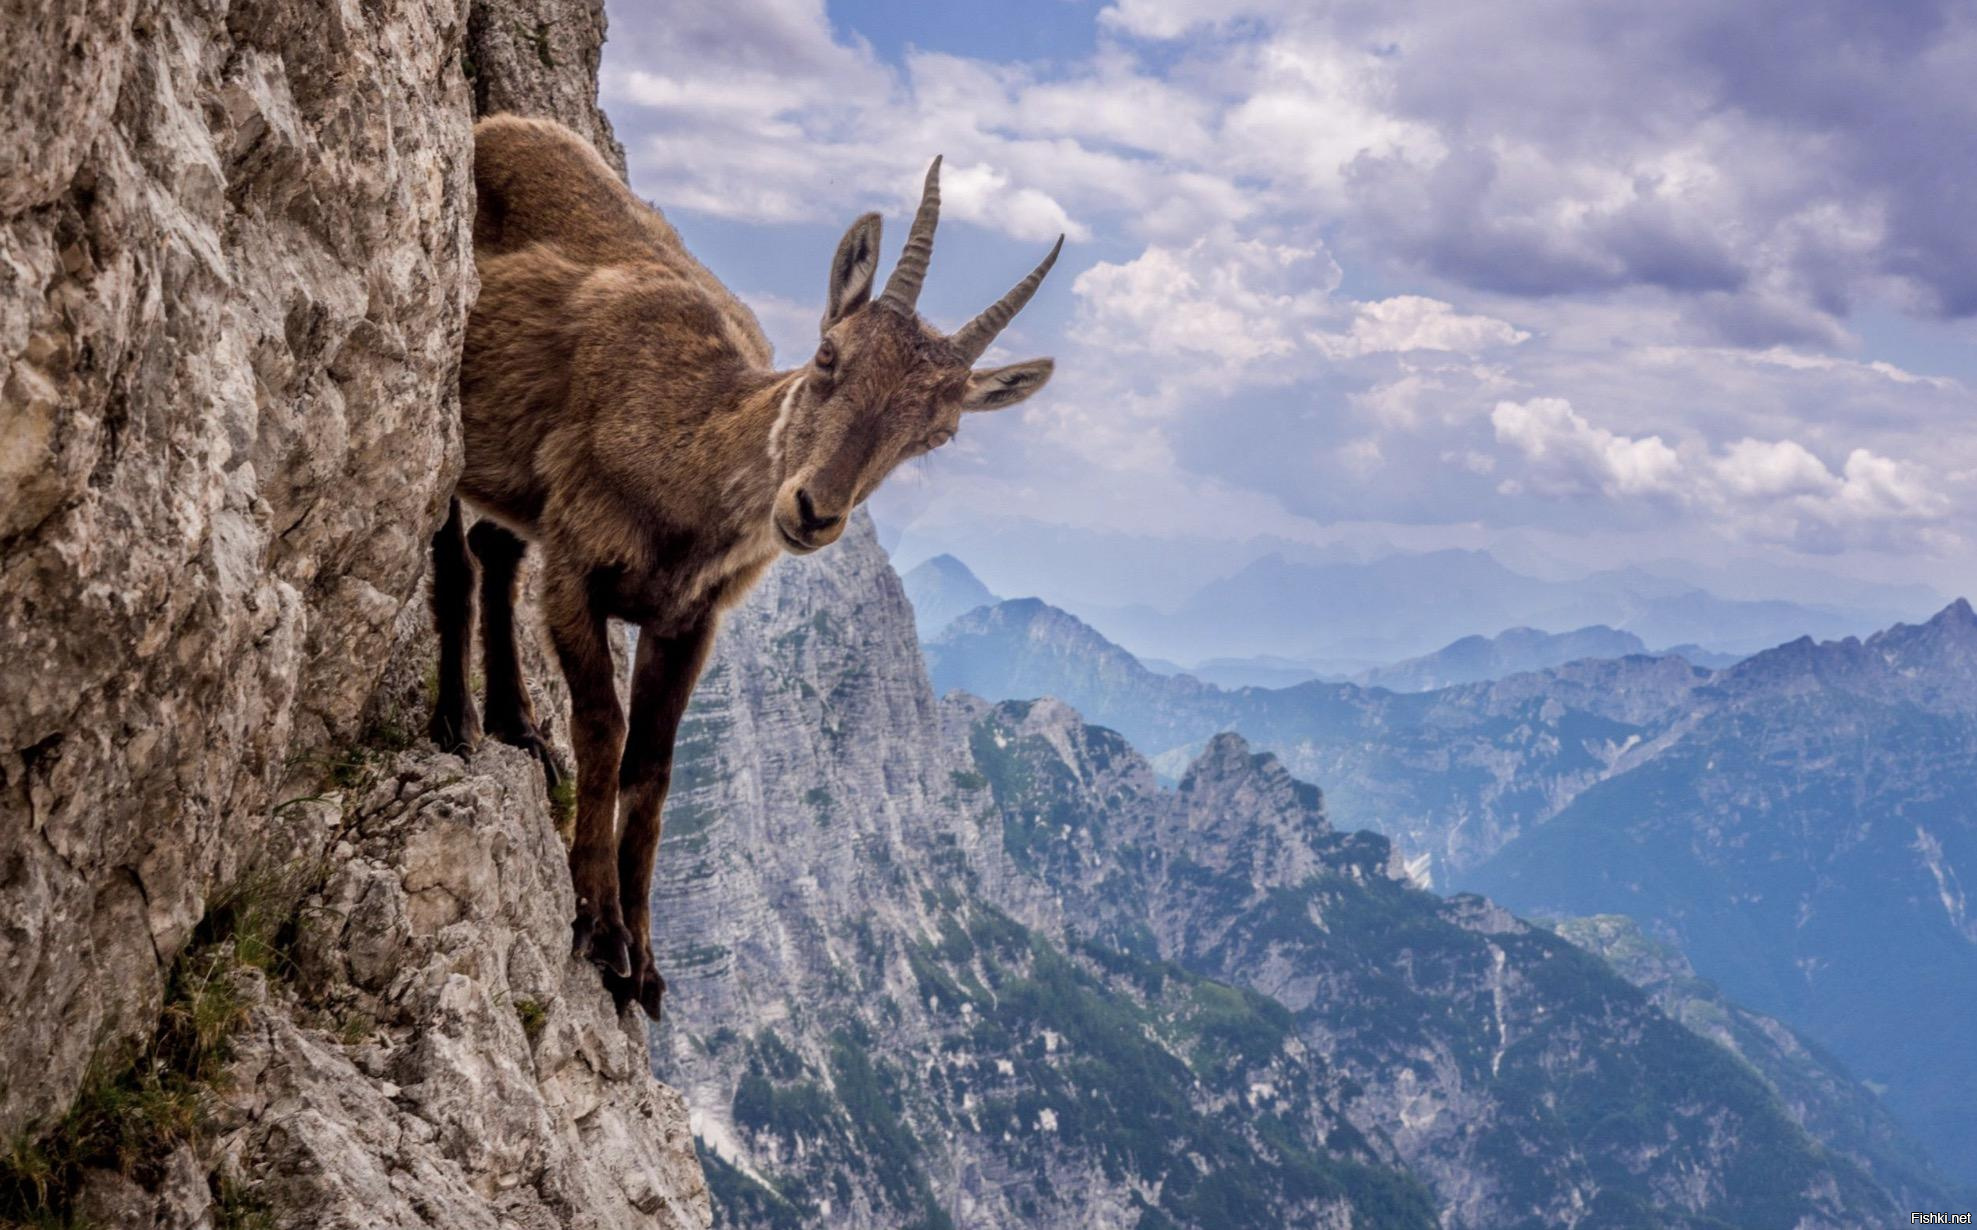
[{"x": 796, "y": 545}]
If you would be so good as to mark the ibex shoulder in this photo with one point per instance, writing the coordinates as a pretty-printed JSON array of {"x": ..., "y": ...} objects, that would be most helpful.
[{"x": 536, "y": 181}]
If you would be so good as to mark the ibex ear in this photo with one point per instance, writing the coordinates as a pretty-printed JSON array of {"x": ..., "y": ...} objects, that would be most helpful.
[
  {"x": 992, "y": 388},
  {"x": 852, "y": 271}
]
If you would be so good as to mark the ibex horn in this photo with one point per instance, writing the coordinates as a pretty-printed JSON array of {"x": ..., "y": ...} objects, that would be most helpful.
[
  {"x": 903, "y": 287},
  {"x": 974, "y": 337}
]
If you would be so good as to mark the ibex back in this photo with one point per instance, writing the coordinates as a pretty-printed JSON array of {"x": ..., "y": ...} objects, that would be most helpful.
[{"x": 621, "y": 413}]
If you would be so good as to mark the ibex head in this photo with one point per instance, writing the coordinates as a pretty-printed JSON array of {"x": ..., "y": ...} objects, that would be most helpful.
[{"x": 884, "y": 385}]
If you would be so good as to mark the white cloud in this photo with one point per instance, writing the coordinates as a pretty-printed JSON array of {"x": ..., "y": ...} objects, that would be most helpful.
[
  {"x": 983, "y": 194},
  {"x": 1170, "y": 19},
  {"x": 1774, "y": 469},
  {"x": 1784, "y": 356},
  {"x": 1241, "y": 301},
  {"x": 1882, "y": 488},
  {"x": 1775, "y": 490},
  {"x": 1569, "y": 456},
  {"x": 1363, "y": 456},
  {"x": 1414, "y": 322}
]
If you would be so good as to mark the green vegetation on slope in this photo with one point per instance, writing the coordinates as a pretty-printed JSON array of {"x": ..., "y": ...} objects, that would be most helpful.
[{"x": 1163, "y": 1079}]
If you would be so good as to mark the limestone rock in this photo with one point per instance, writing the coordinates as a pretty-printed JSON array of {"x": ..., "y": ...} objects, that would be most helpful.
[
  {"x": 235, "y": 271},
  {"x": 235, "y": 267},
  {"x": 490, "y": 1082}
]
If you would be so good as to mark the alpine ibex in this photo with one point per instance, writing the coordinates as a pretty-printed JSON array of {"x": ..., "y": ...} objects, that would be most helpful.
[{"x": 621, "y": 412}]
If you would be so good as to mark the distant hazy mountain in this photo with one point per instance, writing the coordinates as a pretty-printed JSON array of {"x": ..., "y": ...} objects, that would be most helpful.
[
  {"x": 1804, "y": 827},
  {"x": 1474, "y": 659},
  {"x": 1696, "y": 655},
  {"x": 1260, "y": 671},
  {"x": 940, "y": 589},
  {"x": 1800, "y": 823},
  {"x": 1400, "y": 606},
  {"x": 1025, "y": 648},
  {"x": 1454, "y": 774}
]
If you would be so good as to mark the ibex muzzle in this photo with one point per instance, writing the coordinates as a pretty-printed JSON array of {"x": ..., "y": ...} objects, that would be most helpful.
[{"x": 620, "y": 411}]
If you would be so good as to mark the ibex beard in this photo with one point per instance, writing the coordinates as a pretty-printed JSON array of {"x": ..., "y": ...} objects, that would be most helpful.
[{"x": 621, "y": 413}]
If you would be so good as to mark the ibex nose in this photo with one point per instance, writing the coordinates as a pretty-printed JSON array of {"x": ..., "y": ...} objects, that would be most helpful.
[{"x": 811, "y": 521}]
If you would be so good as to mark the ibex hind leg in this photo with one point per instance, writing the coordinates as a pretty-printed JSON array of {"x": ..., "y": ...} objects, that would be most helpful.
[
  {"x": 597, "y": 730},
  {"x": 455, "y": 726},
  {"x": 510, "y": 715}
]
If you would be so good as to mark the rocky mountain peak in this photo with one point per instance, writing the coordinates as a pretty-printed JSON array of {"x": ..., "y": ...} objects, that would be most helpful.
[
  {"x": 1228, "y": 777},
  {"x": 1242, "y": 810},
  {"x": 1958, "y": 613},
  {"x": 1932, "y": 665},
  {"x": 941, "y": 589},
  {"x": 1949, "y": 633}
]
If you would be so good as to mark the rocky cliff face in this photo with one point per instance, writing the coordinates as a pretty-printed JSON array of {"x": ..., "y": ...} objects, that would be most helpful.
[
  {"x": 865, "y": 1033},
  {"x": 423, "y": 1052},
  {"x": 235, "y": 266},
  {"x": 969, "y": 964}
]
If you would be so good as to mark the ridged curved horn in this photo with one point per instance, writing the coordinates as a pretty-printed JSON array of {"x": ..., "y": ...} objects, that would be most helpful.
[
  {"x": 974, "y": 337},
  {"x": 903, "y": 287}
]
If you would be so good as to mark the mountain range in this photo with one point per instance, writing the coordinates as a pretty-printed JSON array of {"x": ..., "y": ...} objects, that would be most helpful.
[
  {"x": 957, "y": 962},
  {"x": 1477, "y": 659},
  {"x": 1403, "y": 605},
  {"x": 1094, "y": 571},
  {"x": 1798, "y": 823},
  {"x": 942, "y": 589}
]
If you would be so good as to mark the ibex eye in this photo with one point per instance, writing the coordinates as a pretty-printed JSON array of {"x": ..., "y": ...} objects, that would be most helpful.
[
  {"x": 939, "y": 438},
  {"x": 827, "y": 354}
]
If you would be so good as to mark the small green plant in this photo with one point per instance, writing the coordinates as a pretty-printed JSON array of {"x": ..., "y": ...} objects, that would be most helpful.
[
  {"x": 540, "y": 40},
  {"x": 237, "y": 1207},
  {"x": 534, "y": 1015},
  {"x": 356, "y": 1028},
  {"x": 563, "y": 805},
  {"x": 389, "y": 734}
]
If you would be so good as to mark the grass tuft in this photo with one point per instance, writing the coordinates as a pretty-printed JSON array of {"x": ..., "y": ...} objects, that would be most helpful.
[
  {"x": 237, "y": 1207},
  {"x": 141, "y": 1101},
  {"x": 563, "y": 806},
  {"x": 534, "y": 1015}
]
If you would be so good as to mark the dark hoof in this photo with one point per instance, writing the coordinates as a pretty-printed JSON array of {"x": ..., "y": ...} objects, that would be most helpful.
[
  {"x": 647, "y": 990},
  {"x": 455, "y": 729},
  {"x": 604, "y": 943},
  {"x": 535, "y": 742}
]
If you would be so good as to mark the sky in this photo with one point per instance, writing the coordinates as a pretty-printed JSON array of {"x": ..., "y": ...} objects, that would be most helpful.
[{"x": 1690, "y": 284}]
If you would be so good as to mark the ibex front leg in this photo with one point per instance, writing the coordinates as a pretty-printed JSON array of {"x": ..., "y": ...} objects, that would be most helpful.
[
  {"x": 510, "y": 715},
  {"x": 455, "y": 725},
  {"x": 662, "y": 683},
  {"x": 597, "y": 729}
]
